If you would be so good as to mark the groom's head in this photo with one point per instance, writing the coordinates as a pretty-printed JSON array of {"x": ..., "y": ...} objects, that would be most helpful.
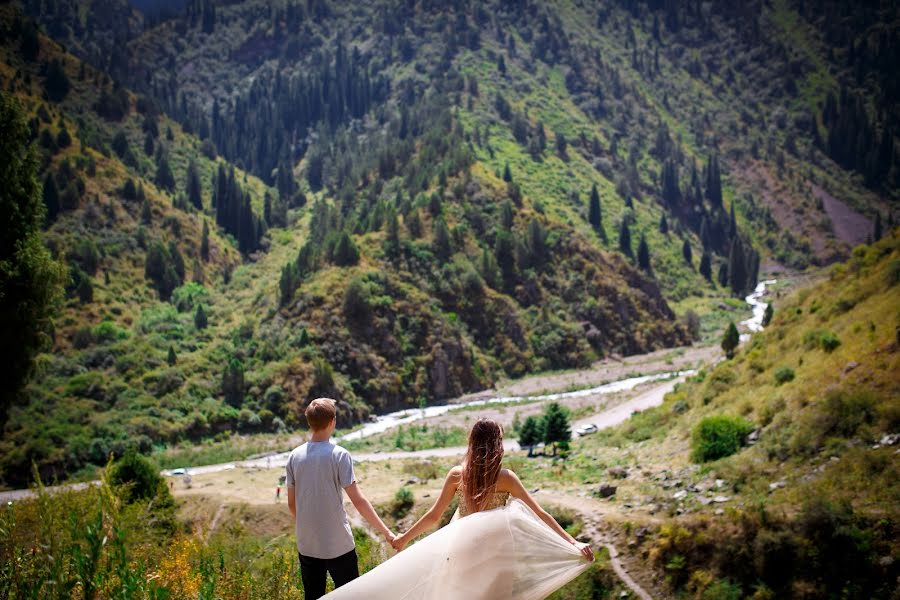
[{"x": 320, "y": 414}]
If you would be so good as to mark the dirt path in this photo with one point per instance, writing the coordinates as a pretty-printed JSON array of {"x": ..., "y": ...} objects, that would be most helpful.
[{"x": 215, "y": 521}]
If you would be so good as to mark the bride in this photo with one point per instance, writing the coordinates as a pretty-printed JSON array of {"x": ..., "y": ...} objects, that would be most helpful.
[{"x": 499, "y": 544}]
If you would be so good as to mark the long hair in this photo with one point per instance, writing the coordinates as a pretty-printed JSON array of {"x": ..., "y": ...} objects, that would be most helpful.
[{"x": 481, "y": 466}]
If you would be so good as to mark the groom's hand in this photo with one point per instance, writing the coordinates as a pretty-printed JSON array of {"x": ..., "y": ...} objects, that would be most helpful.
[{"x": 399, "y": 542}]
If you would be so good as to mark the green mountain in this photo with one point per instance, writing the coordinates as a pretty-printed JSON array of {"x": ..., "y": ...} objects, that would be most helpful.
[{"x": 398, "y": 203}]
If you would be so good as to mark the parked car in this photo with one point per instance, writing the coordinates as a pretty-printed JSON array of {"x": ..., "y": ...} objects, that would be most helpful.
[
  {"x": 179, "y": 472},
  {"x": 587, "y": 429}
]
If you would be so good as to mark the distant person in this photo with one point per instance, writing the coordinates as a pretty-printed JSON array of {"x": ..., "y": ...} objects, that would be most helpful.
[
  {"x": 316, "y": 473},
  {"x": 277, "y": 493},
  {"x": 499, "y": 544}
]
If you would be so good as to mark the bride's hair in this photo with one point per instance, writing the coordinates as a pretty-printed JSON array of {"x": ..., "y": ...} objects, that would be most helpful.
[{"x": 482, "y": 464}]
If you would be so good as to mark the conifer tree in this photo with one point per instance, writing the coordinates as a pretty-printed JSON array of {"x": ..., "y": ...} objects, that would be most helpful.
[
  {"x": 625, "y": 239},
  {"x": 706, "y": 266},
  {"x": 663, "y": 224},
  {"x": 878, "y": 228},
  {"x": 200, "y": 319},
  {"x": 171, "y": 359},
  {"x": 194, "y": 191},
  {"x": 233, "y": 383},
  {"x": 595, "y": 213},
  {"x": 737, "y": 267},
  {"x": 767, "y": 316},
  {"x": 644, "y": 255},
  {"x": 51, "y": 198},
  {"x": 531, "y": 434},
  {"x": 204, "y": 242},
  {"x": 556, "y": 425},
  {"x": 687, "y": 252},
  {"x": 730, "y": 340},
  {"x": 442, "y": 245}
]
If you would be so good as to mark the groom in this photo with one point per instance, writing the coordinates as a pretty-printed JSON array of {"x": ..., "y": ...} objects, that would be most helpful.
[{"x": 317, "y": 471}]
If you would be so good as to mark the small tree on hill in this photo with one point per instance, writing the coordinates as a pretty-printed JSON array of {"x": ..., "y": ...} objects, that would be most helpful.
[
  {"x": 556, "y": 426},
  {"x": 531, "y": 434},
  {"x": 731, "y": 340},
  {"x": 171, "y": 359},
  {"x": 233, "y": 383},
  {"x": 200, "y": 319},
  {"x": 767, "y": 316}
]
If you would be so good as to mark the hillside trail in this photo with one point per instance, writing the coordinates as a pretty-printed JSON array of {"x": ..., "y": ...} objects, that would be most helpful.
[{"x": 214, "y": 523}]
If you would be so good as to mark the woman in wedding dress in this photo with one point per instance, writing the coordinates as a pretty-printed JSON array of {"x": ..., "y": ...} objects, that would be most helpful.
[{"x": 500, "y": 544}]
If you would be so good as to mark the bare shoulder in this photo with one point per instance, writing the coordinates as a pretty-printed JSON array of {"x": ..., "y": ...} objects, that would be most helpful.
[
  {"x": 455, "y": 473},
  {"x": 507, "y": 480}
]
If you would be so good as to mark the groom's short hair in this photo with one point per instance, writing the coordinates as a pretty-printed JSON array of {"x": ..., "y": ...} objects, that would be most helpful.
[{"x": 320, "y": 412}]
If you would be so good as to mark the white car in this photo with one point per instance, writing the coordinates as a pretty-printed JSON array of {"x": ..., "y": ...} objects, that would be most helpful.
[
  {"x": 587, "y": 429},
  {"x": 179, "y": 472}
]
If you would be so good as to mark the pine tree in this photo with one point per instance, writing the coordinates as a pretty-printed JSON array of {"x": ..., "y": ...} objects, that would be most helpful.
[
  {"x": 625, "y": 239},
  {"x": 767, "y": 316},
  {"x": 644, "y": 255},
  {"x": 706, "y": 266},
  {"x": 556, "y": 425},
  {"x": 490, "y": 272},
  {"x": 345, "y": 251},
  {"x": 392, "y": 236},
  {"x": 507, "y": 215},
  {"x": 713, "y": 182},
  {"x": 164, "y": 177},
  {"x": 194, "y": 190},
  {"x": 442, "y": 244},
  {"x": 504, "y": 252},
  {"x": 200, "y": 319},
  {"x": 730, "y": 340},
  {"x": 878, "y": 228},
  {"x": 51, "y": 198},
  {"x": 204, "y": 242},
  {"x": 663, "y": 224},
  {"x": 233, "y": 383},
  {"x": 507, "y": 174},
  {"x": 171, "y": 359},
  {"x": 737, "y": 268},
  {"x": 287, "y": 285},
  {"x": 531, "y": 434},
  {"x": 595, "y": 213},
  {"x": 687, "y": 252},
  {"x": 723, "y": 274}
]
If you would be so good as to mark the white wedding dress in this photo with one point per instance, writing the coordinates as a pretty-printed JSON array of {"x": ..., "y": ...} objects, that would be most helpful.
[{"x": 502, "y": 553}]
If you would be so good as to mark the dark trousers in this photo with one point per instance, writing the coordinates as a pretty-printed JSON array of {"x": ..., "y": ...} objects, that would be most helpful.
[{"x": 343, "y": 569}]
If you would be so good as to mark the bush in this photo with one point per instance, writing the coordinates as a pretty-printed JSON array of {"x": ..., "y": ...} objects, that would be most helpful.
[
  {"x": 138, "y": 477},
  {"x": 718, "y": 436},
  {"x": 821, "y": 338},
  {"x": 403, "y": 502},
  {"x": 783, "y": 375}
]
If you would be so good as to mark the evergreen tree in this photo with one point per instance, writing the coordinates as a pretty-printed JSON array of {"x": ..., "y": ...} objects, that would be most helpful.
[
  {"x": 723, "y": 274},
  {"x": 767, "y": 316},
  {"x": 200, "y": 319},
  {"x": 643, "y": 255},
  {"x": 490, "y": 272},
  {"x": 507, "y": 215},
  {"x": 164, "y": 177},
  {"x": 687, "y": 252},
  {"x": 737, "y": 267},
  {"x": 556, "y": 425},
  {"x": 171, "y": 359},
  {"x": 204, "y": 242},
  {"x": 877, "y": 234},
  {"x": 713, "y": 182},
  {"x": 149, "y": 146},
  {"x": 442, "y": 244},
  {"x": 194, "y": 190},
  {"x": 357, "y": 306},
  {"x": 414, "y": 224},
  {"x": 392, "y": 236},
  {"x": 706, "y": 266},
  {"x": 56, "y": 82},
  {"x": 507, "y": 174},
  {"x": 505, "y": 254},
  {"x": 51, "y": 198},
  {"x": 531, "y": 434},
  {"x": 625, "y": 239},
  {"x": 288, "y": 284},
  {"x": 233, "y": 383},
  {"x": 345, "y": 251},
  {"x": 146, "y": 213},
  {"x": 595, "y": 213},
  {"x": 663, "y": 224},
  {"x": 730, "y": 340},
  {"x": 732, "y": 223}
]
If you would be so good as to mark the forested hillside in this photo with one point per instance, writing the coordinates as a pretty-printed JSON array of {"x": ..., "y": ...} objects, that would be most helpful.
[{"x": 398, "y": 203}]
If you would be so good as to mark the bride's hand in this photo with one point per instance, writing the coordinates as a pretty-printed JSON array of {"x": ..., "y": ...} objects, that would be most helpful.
[
  {"x": 586, "y": 550},
  {"x": 399, "y": 542}
]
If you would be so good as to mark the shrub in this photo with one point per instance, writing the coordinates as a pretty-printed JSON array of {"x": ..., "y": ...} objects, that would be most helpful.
[
  {"x": 718, "y": 436},
  {"x": 402, "y": 503},
  {"x": 138, "y": 477},
  {"x": 783, "y": 375},
  {"x": 821, "y": 338}
]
